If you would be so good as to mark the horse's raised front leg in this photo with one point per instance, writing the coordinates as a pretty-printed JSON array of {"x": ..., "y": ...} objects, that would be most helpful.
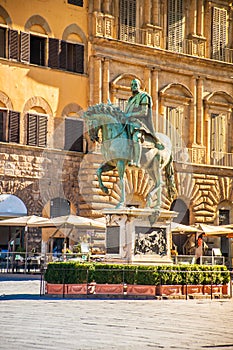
[
  {"x": 103, "y": 169},
  {"x": 121, "y": 171}
]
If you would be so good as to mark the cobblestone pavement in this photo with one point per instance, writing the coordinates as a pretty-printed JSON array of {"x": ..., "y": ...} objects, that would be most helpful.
[{"x": 28, "y": 321}]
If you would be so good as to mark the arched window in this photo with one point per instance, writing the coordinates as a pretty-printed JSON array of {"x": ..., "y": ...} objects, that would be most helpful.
[{"x": 180, "y": 207}]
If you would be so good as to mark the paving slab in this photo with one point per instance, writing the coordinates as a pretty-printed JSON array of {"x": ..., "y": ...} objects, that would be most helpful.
[{"x": 30, "y": 321}]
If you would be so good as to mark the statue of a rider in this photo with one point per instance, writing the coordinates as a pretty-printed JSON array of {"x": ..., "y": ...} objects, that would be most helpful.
[{"x": 139, "y": 112}]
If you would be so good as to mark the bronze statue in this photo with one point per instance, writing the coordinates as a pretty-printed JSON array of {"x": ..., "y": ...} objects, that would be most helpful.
[
  {"x": 139, "y": 113},
  {"x": 122, "y": 133}
]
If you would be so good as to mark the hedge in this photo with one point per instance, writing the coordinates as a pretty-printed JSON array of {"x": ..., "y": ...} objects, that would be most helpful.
[{"x": 75, "y": 272}]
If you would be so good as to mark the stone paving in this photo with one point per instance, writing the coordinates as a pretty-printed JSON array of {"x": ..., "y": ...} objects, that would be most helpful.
[{"x": 28, "y": 321}]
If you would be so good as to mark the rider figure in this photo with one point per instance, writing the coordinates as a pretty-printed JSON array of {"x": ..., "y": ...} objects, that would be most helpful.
[{"x": 139, "y": 112}]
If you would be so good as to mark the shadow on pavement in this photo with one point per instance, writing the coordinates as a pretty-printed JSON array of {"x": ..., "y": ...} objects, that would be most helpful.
[{"x": 4, "y": 277}]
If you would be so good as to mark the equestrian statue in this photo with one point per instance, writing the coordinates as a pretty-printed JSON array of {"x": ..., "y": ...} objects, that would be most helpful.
[{"x": 128, "y": 139}]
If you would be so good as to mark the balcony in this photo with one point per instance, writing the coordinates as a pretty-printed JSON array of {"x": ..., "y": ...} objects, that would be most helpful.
[
  {"x": 197, "y": 155},
  {"x": 105, "y": 26},
  {"x": 222, "y": 159}
]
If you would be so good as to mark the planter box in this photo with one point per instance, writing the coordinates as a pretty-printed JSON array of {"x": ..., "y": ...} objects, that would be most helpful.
[
  {"x": 169, "y": 290},
  {"x": 192, "y": 289},
  {"x": 76, "y": 288},
  {"x": 55, "y": 288},
  {"x": 133, "y": 289},
  {"x": 225, "y": 289},
  {"x": 216, "y": 289},
  {"x": 109, "y": 289}
]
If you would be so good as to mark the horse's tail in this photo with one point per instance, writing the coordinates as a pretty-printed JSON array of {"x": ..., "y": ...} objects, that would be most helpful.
[{"x": 169, "y": 177}]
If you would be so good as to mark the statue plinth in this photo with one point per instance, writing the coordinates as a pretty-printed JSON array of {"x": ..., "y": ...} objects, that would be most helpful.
[{"x": 139, "y": 236}]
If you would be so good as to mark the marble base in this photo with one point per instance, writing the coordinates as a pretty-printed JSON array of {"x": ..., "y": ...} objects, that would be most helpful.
[{"x": 138, "y": 236}]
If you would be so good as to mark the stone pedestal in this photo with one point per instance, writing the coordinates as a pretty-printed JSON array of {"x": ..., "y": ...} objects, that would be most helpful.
[{"x": 134, "y": 236}]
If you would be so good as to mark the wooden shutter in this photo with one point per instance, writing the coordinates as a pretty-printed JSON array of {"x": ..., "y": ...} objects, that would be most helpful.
[
  {"x": 14, "y": 122},
  {"x": 74, "y": 135},
  {"x": 25, "y": 47},
  {"x": 63, "y": 55},
  {"x": 219, "y": 33},
  {"x": 32, "y": 130},
  {"x": 54, "y": 45},
  {"x": 3, "y": 126},
  {"x": 176, "y": 23},
  {"x": 79, "y": 53},
  {"x": 174, "y": 122},
  {"x": 13, "y": 42},
  {"x": 3, "y": 42},
  {"x": 218, "y": 133},
  {"x": 42, "y": 131},
  {"x": 128, "y": 20}
]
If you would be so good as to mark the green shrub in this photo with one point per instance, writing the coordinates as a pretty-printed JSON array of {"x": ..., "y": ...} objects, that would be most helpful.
[{"x": 73, "y": 273}]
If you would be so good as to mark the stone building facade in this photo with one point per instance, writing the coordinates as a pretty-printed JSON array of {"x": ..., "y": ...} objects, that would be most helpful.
[{"x": 180, "y": 50}]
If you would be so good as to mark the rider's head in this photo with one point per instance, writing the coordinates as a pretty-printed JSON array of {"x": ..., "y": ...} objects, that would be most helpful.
[{"x": 135, "y": 85}]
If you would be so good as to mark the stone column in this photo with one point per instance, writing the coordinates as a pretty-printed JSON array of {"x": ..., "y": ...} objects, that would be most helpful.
[
  {"x": 155, "y": 13},
  {"x": 200, "y": 17},
  {"x": 192, "y": 14},
  {"x": 206, "y": 21},
  {"x": 155, "y": 97},
  {"x": 147, "y": 11},
  {"x": 97, "y": 81},
  {"x": 106, "y": 6},
  {"x": 193, "y": 113},
  {"x": 200, "y": 125},
  {"x": 97, "y": 5},
  {"x": 105, "y": 84}
]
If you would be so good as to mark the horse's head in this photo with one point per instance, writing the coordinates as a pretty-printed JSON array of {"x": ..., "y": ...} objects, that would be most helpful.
[{"x": 101, "y": 115}]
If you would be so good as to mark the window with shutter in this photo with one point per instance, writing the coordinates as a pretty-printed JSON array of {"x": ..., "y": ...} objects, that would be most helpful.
[
  {"x": 219, "y": 33},
  {"x": 37, "y": 50},
  {"x": 73, "y": 135},
  {"x": 174, "y": 122},
  {"x": 127, "y": 28},
  {"x": 76, "y": 2},
  {"x": 9, "y": 126},
  {"x": 2, "y": 42},
  {"x": 37, "y": 130},
  {"x": 25, "y": 47},
  {"x": 72, "y": 57},
  {"x": 218, "y": 133},
  {"x": 54, "y": 47},
  {"x": 176, "y": 23},
  {"x": 13, "y": 44}
]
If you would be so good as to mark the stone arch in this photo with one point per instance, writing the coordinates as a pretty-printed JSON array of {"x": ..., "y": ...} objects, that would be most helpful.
[
  {"x": 74, "y": 29},
  {"x": 219, "y": 98},
  {"x": 39, "y": 102},
  {"x": 71, "y": 108},
  {"x": 123, "y": 81},
  {"x": 4, "y": 99},
  {"x": 5, "y": 15},
  {"x": 38, "y": 20},
  {"x": 176, "y": 90}
]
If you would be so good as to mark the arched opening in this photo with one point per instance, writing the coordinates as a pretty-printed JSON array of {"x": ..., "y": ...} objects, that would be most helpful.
[
  {"x": 179, "y": 239},
  {"x": 11, "y": 237}
]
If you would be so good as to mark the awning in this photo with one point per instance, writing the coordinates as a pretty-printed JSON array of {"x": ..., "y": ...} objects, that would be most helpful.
[
  {"x": 212, "y": 230},
  {"x": 179, "y": 228}
]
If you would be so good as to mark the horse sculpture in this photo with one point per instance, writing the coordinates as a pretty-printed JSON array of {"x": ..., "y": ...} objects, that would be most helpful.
[{"x": 117, "y": 147}]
